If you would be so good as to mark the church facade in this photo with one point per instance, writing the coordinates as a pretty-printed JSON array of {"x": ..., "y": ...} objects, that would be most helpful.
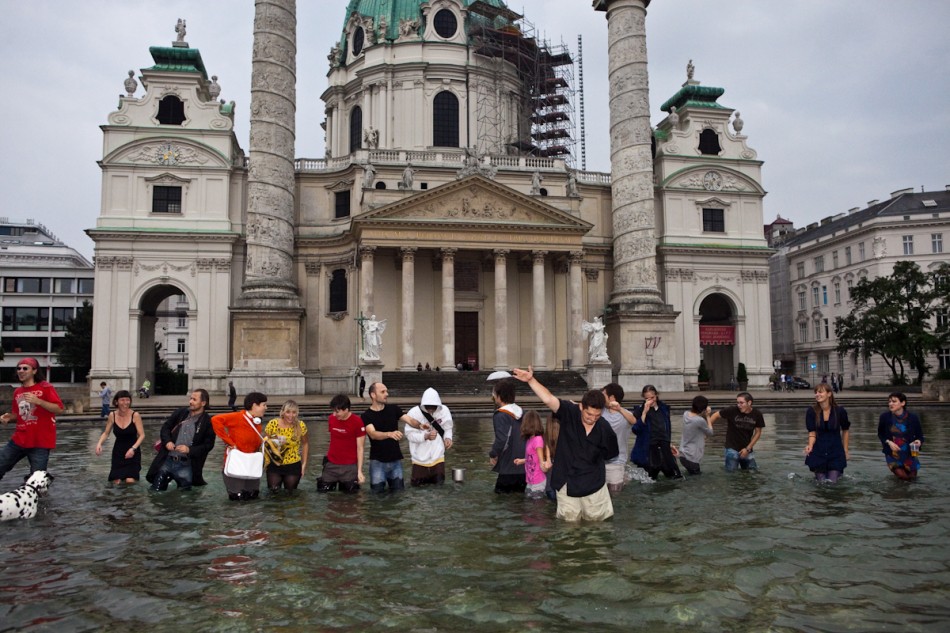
[{"x": 448, "y": 207}]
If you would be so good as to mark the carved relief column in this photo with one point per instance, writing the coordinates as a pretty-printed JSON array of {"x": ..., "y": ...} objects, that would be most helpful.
[
  {"x": 408, "y": 305},
  {"x": 501, "y": 309},
  {"x": 268, "y": 275},
  {"x": 366, "y": 279},
  {"x": 448, "y": 308},
  {"x": 537, "y": 309},
  {"x": 576, "y": 310}
]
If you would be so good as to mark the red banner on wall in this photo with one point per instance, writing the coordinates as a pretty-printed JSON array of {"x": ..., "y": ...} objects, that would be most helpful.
[{"x": 717, "y": 335}]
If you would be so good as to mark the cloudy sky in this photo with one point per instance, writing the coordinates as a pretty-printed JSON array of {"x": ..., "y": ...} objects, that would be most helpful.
[{"x": 844, "y": 100}]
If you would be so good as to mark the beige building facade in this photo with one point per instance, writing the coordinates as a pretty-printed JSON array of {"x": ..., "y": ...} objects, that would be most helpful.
[{"x": 448, "y": 205}]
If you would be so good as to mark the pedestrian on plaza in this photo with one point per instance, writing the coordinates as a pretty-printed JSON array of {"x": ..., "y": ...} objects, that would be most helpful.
[
  {"x": 105, "y": 392},
  {"x": 232, "y": 396}
]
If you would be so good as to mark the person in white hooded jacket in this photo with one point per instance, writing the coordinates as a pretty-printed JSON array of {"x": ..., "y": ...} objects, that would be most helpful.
[{"x": 429, "y": 440}]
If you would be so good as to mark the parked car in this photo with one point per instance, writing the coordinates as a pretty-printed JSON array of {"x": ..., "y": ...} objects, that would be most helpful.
[{"x": 800, "y": 383}]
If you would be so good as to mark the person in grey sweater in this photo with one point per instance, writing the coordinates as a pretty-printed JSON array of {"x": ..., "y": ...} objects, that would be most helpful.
[{"x": 696, "y": 428}]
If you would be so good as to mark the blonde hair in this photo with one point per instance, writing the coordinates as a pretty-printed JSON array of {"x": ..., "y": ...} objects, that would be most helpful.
[{"x": 291, "y": 405}]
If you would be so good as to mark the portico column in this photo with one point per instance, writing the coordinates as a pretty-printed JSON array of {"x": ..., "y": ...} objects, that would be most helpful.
[
  {"x": 501, "y": 309},
  {"x": 576, "y": 310},
  {"x": 408, "y": 305},
  {"x": 537, "y": 308},
  {"x": 448, "y": 308},
  {"x": 366, "y": 279}
]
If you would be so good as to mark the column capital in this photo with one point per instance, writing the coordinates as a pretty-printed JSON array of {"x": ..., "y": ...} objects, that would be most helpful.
[
  {"x": 576, "y": 257},
  {"x": 448, "y": 253},
  {"x": 408, "y": 253},
  {"x": 501, "y": 253},
  {"x": 538, "y": 256},
  {"x": 367, "y": 251}
]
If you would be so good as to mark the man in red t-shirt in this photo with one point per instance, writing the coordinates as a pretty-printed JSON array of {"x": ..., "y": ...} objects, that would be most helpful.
[
  {"x": 35, "y": 405},
  {"x": 344, "y": 461}
]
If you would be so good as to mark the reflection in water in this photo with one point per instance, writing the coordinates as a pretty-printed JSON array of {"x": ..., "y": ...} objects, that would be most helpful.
[{"x": 742, "y": 552}]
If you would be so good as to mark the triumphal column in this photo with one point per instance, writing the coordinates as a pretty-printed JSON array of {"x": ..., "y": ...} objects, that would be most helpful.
[
  {"x": 637, "y": 318},
  {"x": 266, "y": 320}
]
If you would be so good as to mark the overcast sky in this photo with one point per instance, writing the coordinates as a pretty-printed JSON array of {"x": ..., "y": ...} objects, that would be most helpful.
[{"x": 845, "y": 100}]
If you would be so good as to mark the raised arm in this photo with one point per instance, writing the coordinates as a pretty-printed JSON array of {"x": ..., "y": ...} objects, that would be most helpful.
[{"x": 527, "y": 376}]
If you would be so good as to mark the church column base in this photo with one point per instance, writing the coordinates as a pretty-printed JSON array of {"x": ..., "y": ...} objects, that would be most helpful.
[
  {"x": 372, "y": 371},
  {"x": 265, "y": 351},
  {"x": 641, "y": 338},
  {"x": 599, "y": 374}
]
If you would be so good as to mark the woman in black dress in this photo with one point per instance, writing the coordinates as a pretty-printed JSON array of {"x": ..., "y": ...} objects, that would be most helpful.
[{"x": 126, "y": 424}]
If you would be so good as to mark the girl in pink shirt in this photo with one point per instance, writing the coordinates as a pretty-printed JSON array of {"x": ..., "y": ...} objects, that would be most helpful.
[{"x": 536, "y": 460}]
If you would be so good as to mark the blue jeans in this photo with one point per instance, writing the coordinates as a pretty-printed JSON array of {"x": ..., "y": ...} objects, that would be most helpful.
[
  {"x": 733, "y": 461},
  {"x": 175, "y": 467},
  {"x": 382, "y": 472},
  {"x": 105, "y": 410},
  {"x": 12, "y": 453}
]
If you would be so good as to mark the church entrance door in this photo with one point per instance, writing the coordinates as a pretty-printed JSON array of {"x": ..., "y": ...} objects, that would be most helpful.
[{"x": 466, "y": 339}]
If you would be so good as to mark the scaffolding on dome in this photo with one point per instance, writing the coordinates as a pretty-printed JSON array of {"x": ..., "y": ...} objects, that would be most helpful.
[{"x": 546, "y": 74}]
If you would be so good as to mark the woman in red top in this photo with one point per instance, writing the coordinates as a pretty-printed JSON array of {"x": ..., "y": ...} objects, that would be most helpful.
[
  {"x": 242, "y": 430},
  {"x": 35, "y": 405}
]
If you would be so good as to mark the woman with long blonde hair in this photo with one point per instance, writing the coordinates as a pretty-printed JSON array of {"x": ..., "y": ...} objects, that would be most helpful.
[
  {"x": 826, "y": 454},
  {"x": 288, "y": 461}
]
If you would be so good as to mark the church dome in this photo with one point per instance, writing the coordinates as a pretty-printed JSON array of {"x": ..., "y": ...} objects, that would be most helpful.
[{"x": 482, "y": 13}]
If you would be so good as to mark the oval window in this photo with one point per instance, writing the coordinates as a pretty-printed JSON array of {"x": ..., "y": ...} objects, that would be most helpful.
[
  {"x": 445, "y": 24},
  {"x": 359, "y": 38}
]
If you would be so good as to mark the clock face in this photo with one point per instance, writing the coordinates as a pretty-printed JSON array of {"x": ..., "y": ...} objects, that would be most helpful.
[
  {"x": 712, "y": 181},
  {"x": 168, "y": 154}
]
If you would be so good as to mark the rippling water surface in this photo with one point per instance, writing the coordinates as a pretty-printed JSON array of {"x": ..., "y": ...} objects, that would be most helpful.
[{"x": 766, "y": 551}]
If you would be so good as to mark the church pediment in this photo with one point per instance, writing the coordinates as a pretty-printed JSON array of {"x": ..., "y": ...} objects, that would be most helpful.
[
  {"x": 167, "y": 153},
  {"x": 474, "y": 201},
  {"x": 712, "y": 179}
]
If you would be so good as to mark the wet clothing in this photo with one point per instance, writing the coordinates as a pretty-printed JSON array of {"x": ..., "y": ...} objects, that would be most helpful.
[
  {"x": 902, "y": 430},
  {"x": 35, "y": 426},
  {"x": 201, "y": 444},
  {"x": 425, "y": 452},
  {"x": 827, "y": 454},
  {"x": 507, "y": 447},
  {"x": 385, "y": 420},
  {"x": 343, "y": 436},
  {"x": 581, "y": 457},
  {"x": 693, "y": 441},
  {"x": 657, "y": 432},
  {"x": 740, "y": 426},
  {"x": 123, "y": 468},
  {"x": 640, "y": 455}
]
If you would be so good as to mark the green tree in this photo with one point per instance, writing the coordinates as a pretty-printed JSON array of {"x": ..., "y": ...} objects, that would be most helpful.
[
  {"x": 76, "y": 350},
  {"x": 892, "y": 317}
]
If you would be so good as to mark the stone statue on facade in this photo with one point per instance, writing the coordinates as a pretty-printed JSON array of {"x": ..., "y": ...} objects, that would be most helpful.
[
  {"x": 408, "y": 28},
  {"x": 214, "y": 88},
  {"x": 180, "y": 30},
  {"x": 597, "y": 346},
  {"x": 371, "y": 137},
  {"x": 572, "y": 184},
  {"x": 372, "y": 338},
  {"x": 690, "y": 70},
  {"x": 536, "y": 179},
  {"x": 470, "y": 166},
  {"x": 334, "y": 55},
  {"x": 383, "y": 27},
  {"x": 369, "y": 176},
  {"x": 131, "y": 84},
  {"x": 407, "y": 175},
  {"x": 674, "y": 118}
]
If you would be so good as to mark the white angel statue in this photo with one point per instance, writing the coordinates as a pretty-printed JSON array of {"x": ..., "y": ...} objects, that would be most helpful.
[
  {"x": 372, "y": 338},
  {"x": 597, "y": 347}
]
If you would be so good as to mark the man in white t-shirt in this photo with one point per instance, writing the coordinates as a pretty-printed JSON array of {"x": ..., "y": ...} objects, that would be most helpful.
[{"x": 621, "y": 421}]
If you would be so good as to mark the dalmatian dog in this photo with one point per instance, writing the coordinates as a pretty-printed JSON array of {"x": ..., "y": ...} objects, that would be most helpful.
[{"x": 21, "y": 503}]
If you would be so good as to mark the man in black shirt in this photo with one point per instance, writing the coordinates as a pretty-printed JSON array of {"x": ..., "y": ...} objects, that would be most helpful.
[
  {"x": 586, "y": 442},
  {"x": 385, "y": 456},
  {"x": 744, "y": 426}
]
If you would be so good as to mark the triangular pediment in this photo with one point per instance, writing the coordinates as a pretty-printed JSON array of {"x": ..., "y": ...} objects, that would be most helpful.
[{"x": 473, "y": 201}]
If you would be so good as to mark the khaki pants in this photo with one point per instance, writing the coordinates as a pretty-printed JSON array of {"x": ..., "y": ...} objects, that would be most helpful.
[{"x": 594, "y": 507}]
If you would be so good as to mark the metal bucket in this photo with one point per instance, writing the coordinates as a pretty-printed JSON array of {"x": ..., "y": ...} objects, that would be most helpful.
[{"x": 458, "y": 475}]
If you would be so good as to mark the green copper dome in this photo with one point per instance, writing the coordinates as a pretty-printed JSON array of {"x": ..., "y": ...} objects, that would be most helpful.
[{"x": 396, "y": 10}]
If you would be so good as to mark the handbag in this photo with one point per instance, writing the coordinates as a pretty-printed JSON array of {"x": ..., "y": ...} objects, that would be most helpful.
[{"x": 241, "y": 465}]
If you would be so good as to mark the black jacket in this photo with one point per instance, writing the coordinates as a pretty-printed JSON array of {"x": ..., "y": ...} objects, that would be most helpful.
[{"x": 200, "y": 447}]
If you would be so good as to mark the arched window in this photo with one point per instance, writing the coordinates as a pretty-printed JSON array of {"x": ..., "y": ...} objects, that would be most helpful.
[
  {"x": 171, "y": 111},
  {"x": 380, "y": 185},
  {"x": 709, "y": 143},
  {"x": 445, "y": 120},
  {"x": 356, "y": 129},
  {"x": 338, "y": 297}
]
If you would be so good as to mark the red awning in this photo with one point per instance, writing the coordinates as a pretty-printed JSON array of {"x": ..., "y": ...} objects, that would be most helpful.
[{"x": 717, "y": 335}]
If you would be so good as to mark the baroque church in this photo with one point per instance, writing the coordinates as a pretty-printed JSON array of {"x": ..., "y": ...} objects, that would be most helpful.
[{"x": 449, "y": 212}]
